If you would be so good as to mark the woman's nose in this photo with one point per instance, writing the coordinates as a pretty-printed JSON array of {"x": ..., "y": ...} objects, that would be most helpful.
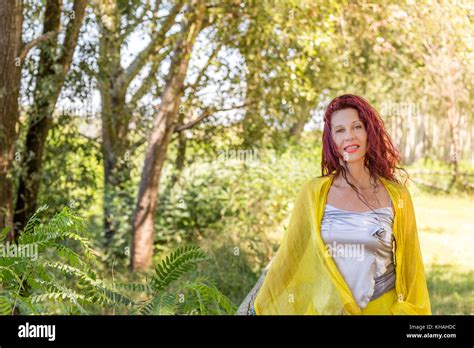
[{"x": 349, "y": 135}]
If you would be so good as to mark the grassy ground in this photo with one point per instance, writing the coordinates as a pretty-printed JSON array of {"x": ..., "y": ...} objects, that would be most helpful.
[{"x": 446, "y": 230}]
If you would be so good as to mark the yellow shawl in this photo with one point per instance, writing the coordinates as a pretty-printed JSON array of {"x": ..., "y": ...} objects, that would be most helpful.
[{"x": 303, "y": 278}]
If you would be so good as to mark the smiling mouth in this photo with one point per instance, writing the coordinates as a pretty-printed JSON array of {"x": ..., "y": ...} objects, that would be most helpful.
[{"x": 354, "y": 147}]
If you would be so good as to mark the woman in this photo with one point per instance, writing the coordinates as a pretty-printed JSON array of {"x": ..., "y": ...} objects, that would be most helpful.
[{"x": 352, "y": 243}]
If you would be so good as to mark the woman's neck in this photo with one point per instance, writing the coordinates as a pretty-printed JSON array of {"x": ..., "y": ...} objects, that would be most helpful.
[{"x": 357, "y": 175}]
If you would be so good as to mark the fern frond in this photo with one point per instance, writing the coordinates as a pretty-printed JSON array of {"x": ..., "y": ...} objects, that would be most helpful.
[
  {"x": 159, "y": 305},
  {"x": 8, "y": 272},
  {"x": 99, "y": 291},
  {"x": 134, "y": 287},
  {"x": 24, "y": 304},
  {"x": 182, "y": 260},
  {"x": 34, "y": 220},
  {"x": 4, "y": 233},
  {"x": 110, "y": 296},
  {"x": 208, "y": 298},
  {"x": 5, "y": 305}
]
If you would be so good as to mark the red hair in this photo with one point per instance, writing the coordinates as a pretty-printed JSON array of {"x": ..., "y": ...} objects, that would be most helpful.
[{"x": 381, "y": 157}]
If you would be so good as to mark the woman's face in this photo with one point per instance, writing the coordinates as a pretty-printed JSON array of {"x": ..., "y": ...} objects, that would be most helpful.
[{"x": 347, "y": 130}]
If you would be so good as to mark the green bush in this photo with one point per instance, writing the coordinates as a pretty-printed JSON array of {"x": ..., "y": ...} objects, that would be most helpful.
[{"x": 235, "y": 209}]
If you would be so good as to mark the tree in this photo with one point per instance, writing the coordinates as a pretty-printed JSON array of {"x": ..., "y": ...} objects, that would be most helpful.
[
  {"x": 116, "y": 22},
  {"x": 448, "y": 78},
  {"x": 54, "y": 63},
  {"x": 14, "y": 52},
  {"x": 164, "y": 126},
  {"x": 289, "y": 52},
  {"x": 11, "y": 20}
]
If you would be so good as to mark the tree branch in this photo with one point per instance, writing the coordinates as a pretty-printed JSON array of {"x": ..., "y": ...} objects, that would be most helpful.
[
  {"x": 206, "y": 113},
  {"x": 28, "y": 46},
  {"x": 147, "y": 81},
  {"x": 72, "y": 33},
  {"x": 93, "y": 141},
  {"x": 201, "y": 74},
  {"x": 158, "y": 41},
  {"x": 130, "y": 28}
]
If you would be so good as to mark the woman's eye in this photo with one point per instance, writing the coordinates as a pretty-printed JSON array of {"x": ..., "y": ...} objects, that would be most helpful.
[
  {"x": 359, "y": 126},
  {"x": 340, "y": 130}
]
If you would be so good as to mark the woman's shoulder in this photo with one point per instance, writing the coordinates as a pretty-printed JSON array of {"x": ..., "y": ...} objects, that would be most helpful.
[
  {"x": 315, "y": 183},
  {"x": 398, "y": 190},
  {"x": 396, "y": 185}
]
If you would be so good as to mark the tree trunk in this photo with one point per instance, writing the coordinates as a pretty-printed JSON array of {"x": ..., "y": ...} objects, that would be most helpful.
[
  {"x": 49, "y": 83},
  {"x": 304, "y": 114},
  {"x": 163, "y": 127},
  {"x": 39, "y": 122},
  {"x": 115, "y": 143},
  {"x": 115, "y": 129},
  {"x": 11, "y": 19},
  {"x": 180, "y": 159},
  {"x": 453, "y": 120}
]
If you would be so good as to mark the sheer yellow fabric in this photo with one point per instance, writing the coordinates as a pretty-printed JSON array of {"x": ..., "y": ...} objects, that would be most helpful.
[
  {"x": 381, "y": 305},
  {"x": 303, "y": 278}
]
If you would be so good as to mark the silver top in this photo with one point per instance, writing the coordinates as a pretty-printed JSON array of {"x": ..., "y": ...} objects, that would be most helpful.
[{"x": 360, "y": 243}]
